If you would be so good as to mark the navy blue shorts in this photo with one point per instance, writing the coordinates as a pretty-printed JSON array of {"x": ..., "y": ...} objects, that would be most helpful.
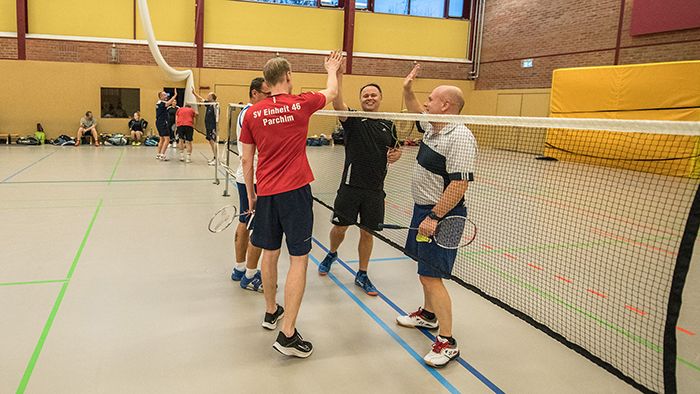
[
  {"x": 290, "y": 214},
  {"x": 433, "y": 260},
  {"x": 243, "y": 202},
  {"x": 163, "y": 129}
]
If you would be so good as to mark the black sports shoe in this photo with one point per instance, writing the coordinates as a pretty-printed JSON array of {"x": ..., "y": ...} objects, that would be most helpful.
[
  {"x": 270, "y": 321},
  {"x": 295, "y": 346}
]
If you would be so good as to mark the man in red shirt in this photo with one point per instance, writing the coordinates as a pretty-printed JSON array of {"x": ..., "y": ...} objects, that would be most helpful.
[
  {"x": 184, "y": 119},
  {"x": 277, "y": 127}
]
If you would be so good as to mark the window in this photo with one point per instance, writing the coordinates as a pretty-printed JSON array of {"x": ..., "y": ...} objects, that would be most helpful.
[
  {"x": 391, "y": 6},
  {"x": 180, "y": 100},
  {"x": 429, "y": 8},
  {"x": 434, "y": 8},
  {"x": 457, "y": 9},
  {"x": 305, "y": 3},
  {"x": 119, "y": 102}
]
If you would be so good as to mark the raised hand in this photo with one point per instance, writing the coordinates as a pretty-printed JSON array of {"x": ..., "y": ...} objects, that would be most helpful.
[
  {"x": 408, "y": 81},
  {"x": 333, "y": 62}
]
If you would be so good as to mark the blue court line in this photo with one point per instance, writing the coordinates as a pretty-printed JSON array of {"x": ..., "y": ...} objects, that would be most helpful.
[
  {"x": 425, "y": 332},
  {"x": 437, "y": 375},
  {"x": 17, "y": 173},
  {"x": 381, "y": 259}
]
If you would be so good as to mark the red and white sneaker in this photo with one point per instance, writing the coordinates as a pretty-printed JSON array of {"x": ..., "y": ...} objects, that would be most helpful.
[
  {"x": 417, "y": 320},
  {"x": 441, "y": 353}
]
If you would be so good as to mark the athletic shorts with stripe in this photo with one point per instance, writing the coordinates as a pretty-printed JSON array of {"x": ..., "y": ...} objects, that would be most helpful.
[{"x": 289, "y": 214}]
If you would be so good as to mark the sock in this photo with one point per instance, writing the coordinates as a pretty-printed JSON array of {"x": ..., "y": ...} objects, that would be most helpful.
[
  {"x": 334, "y": 254},
  {"x": 449, "y": 339},
  {"x": 250, "y": 273},
  {"x": 428, "y": 315},
  {"x": 361, "y": 272},
  {"x": 240, "y": 266}
]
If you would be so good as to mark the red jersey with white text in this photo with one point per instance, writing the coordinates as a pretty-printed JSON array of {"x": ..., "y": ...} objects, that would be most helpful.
[
  {"x": 278, "y": 127},
  {"x": 185, "y": 117}
]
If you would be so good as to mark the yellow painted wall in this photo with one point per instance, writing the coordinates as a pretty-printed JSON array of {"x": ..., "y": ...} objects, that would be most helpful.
[
  {"x": 77, "y": 87},
  {"x": 8, "y": 15},
  {"x": 273, "y": 25},
  {"x": 173, "y": 20},
  {"x": 91, "y": 18},
  {"x": 411, "y": 35},
  {"x": 513, "y": 102}
]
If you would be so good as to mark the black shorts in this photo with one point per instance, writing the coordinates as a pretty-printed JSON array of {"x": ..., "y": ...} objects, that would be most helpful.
[
  {"x": 353, "y": 201},
  {"x": 211, "y": 135},
  {"x": 185, "y": 133},
  {"x": 163, "y": 130},
  {"x": 290, "y": 214}
]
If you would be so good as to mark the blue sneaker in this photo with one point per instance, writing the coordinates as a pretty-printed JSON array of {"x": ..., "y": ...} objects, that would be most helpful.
[
  {"x": 362, "y": 280},
  {"x": 236, "y": 275},
  {"x": 253, "y": 284},
  {"x": 325, "y": 265}
]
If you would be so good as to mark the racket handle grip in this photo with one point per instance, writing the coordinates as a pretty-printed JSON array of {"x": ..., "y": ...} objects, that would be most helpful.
[{"x": 390, "y": 226}]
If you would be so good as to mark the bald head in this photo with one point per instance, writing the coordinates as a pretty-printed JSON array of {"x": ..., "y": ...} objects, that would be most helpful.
[{"x": 452, "y": 96}]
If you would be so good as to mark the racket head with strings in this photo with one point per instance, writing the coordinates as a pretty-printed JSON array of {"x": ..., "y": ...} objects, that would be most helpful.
[
  {"x": 450, "y": 232},
  {"x": 223, "y": 218}
]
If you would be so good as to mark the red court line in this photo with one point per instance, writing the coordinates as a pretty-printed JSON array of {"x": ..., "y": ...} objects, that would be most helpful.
[
  {"x": 635, "y": 310},
  {"x": 564, "y": 279},
  {"x": 601, "y": 295},
  {"x": 510, "y": 256},
  {"x": 684, "y": 331},
  {"x": 487, "y": 247},
  {"x": 631, "y": 241},
  {"x": 535, "y": 267},
  {"x": 575, "y": 208}
]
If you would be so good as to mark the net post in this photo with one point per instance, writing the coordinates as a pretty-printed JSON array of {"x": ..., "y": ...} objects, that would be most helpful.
[{"x": 228, "y": 150}]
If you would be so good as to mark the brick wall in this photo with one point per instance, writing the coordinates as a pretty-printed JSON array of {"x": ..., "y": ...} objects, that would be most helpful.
[
  {"x": 567, "y": 33},
  {"x": 96, "y": 52},
  {"x": 249, "y": 60},
  {"x": 8, "y": 48}
]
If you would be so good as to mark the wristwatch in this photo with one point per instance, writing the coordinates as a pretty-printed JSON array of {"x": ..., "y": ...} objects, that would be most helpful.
[{"x": 434, "y": 216}]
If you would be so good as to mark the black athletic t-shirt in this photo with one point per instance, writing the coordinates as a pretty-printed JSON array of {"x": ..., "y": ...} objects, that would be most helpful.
[
  {"x": 171, "y": 115},
  {"x": 161, "y": 113},
  {"x": 210, "y": 118},
  {"x": 366, "y": 144},
  {"x": 137, "y": 125}
]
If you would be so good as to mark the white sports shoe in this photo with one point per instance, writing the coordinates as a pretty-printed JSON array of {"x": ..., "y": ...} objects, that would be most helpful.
[
  {"x": 182, "y": 156},
  {"x": 441, "y": 353},
  {"x": 211, "y": 162},
  {"x": 416, "y": 320},
  {"x": 188, "y": 159}
]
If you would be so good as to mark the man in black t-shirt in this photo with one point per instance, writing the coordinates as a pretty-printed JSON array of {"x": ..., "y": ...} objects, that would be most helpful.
[
  {"x": 162, "y": 123},
  {"x": 370, "y": 144}
]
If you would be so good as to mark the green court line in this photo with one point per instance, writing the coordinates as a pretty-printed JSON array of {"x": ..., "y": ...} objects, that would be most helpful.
[
  {"x": 522, "y": 283},
  {"x": 114, "y": 170},
  {"x": 689, "y": 364},
  {"x": 57, "y": 304},
  {"x": 34, "y": 282}
]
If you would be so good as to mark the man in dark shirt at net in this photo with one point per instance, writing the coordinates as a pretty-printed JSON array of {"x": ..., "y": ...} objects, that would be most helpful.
[{"x": 370, "y": 144}]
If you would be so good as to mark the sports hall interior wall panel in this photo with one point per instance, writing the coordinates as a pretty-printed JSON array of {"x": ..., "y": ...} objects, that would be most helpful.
[
  {"x": 8, "y": 15},
  {"x": 272, "y": 25},
  {"x": 85, "y": 18},
  {"x": 510, "y": 75},
  {"x": 77, "y": 87},
  {"x": 96, "y": 52},
  {"x": 173, "y": 20},
  {"x": 399, "y": 68},
  {"x": 8, "y": 48},
  {"x": 567, "y": 33},
  {"x": 411, "y": 35}
]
